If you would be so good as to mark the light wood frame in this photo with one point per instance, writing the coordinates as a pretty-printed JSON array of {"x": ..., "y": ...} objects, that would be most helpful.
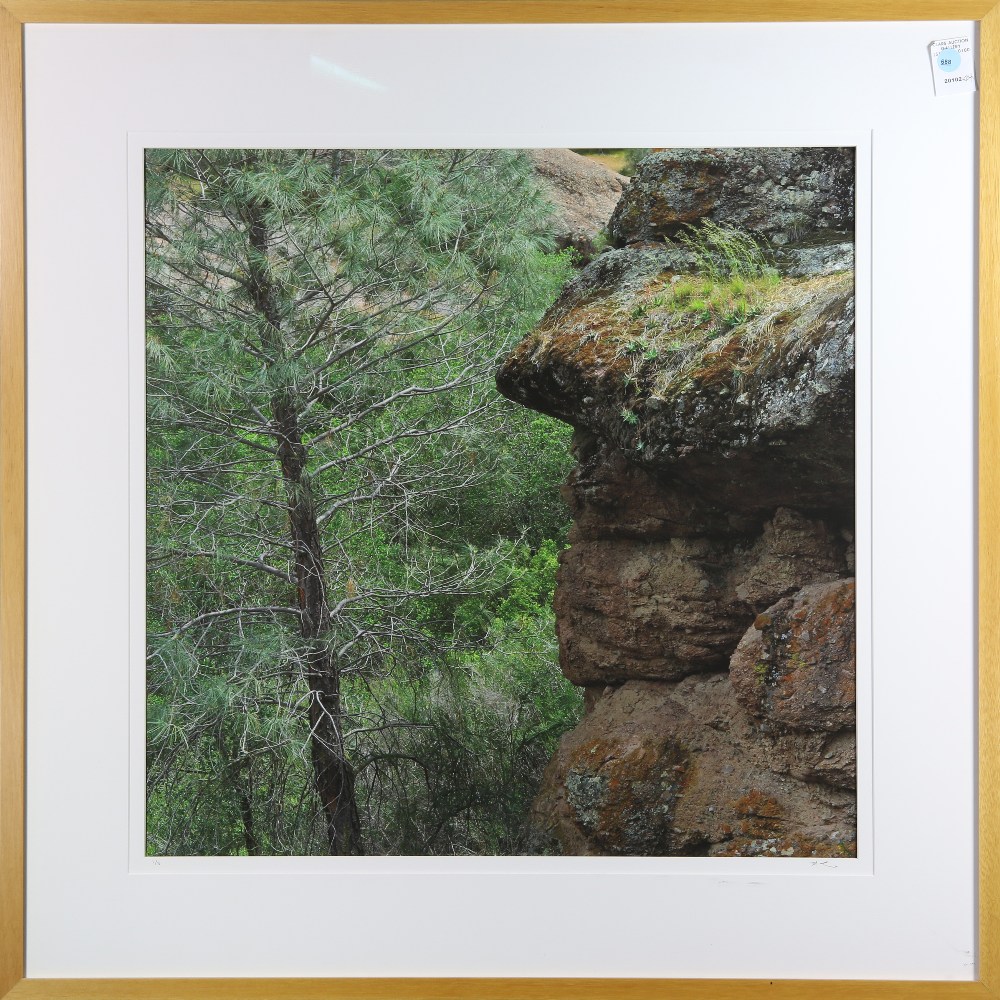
[{"x": 16, "y": 13}]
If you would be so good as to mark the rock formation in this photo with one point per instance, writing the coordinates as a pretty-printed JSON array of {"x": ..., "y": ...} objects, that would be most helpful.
[
  {"x": 583, "y": 192},
  {"x": 706, "y": 602},
  {"x": 800, "y": 200}
]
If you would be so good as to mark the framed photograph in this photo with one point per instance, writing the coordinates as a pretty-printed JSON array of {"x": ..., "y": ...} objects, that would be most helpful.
[{"x": 490, "y": 500}]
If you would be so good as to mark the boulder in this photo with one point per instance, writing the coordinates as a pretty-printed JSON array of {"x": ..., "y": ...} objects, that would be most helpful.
[
  {"x": 784, "y": 196},
  {"x": 800, "y": 262},
  {"x": 679, "y": 769},
  {"x": 750, "y": 412},
  {"x": 795, "y": 666},
  {"x": 584, "y": 194}
]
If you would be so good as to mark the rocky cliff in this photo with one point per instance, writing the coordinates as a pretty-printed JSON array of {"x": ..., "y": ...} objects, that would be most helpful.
[{"x": 706, "y": 603}]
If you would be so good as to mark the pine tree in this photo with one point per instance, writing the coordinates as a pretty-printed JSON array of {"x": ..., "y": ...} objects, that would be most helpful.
[{"x": 322, "y": 332}]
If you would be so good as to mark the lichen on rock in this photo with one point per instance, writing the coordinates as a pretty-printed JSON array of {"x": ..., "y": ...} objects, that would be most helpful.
[
  {"x": 681, "y": 769},
  {"x": 791, "y": 195},
  {"x": 795, "y": 664},
  {"x": 706, "y": 601},
  {"x": 677, "y": 390}
]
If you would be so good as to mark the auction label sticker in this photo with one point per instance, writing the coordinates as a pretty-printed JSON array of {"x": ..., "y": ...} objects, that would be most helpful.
[{"x": 953, "y": 65}]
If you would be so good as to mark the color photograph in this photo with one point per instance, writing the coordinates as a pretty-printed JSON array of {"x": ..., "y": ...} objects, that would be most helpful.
[{"x": 500, "y": 502}]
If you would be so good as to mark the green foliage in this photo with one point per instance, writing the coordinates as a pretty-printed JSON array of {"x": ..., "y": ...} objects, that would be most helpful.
[
  {"x": 532, "y": 587},
  {"x": 725, "y": 253},
  {"x": 633, "y": 157},
  {"x": 323, "y": 328},
  {"x": 624, "y": 161},
  {"x": 480, "y": 728},
  {"x": 688, "y": 309},
  {"x": 732, "y": 279},
  {"x": 682, "y": 291}
]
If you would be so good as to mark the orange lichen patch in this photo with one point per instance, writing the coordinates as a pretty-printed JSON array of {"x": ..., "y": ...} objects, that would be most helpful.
[
  {"x": 817, "y": 632},
  {"x": 799, "y": 671},
  {"x": 818, "y": 627},
  {"x": 762, "y": 814},
  {"x": 756, "y": 803},
  {"x": 622, "y": 795}
]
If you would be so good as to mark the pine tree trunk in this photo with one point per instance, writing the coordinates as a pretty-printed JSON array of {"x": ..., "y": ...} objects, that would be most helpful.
[{"x": 333, "y": 774}]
